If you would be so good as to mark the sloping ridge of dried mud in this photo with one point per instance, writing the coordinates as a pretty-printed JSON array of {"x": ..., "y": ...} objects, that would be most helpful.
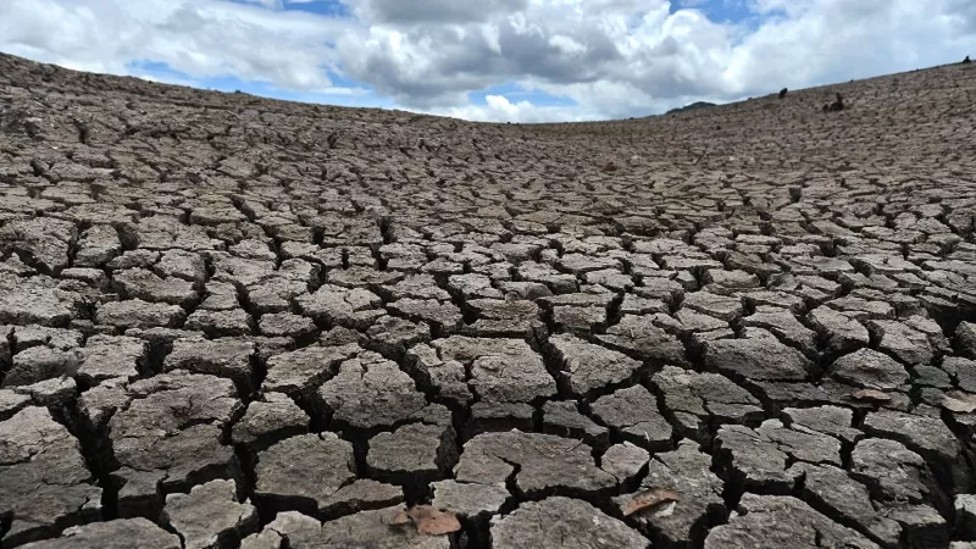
[{"x": 227, "y": 320}]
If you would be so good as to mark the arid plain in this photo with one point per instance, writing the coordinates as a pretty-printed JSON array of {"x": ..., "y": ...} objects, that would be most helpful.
[{"x": 232, "y": 321}]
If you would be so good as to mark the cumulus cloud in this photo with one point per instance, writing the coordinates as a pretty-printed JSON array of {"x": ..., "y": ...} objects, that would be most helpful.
[
  {"x": 605, "y": 58},
  {"x": 499, "y": 108},
  {"x": 820, "y": 41},
  {"x": 621, "y": 57},
  {"x": 436, "y": 12},
  {"x": 201, "y": 39}
]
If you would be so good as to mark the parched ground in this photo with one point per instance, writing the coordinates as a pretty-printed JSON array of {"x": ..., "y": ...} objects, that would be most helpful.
[{"x": 227, "y": 320}]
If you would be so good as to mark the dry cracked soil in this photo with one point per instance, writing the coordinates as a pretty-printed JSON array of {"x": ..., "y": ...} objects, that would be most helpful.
[{"x": 231, "y": 321}]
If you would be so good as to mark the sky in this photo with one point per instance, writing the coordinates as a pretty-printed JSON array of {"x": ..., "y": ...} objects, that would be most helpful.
[{"x": 494, "y": 60}]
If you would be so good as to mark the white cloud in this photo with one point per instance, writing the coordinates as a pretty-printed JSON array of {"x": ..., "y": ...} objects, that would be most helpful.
[
  {"x": 201, "y": 38},
  {"x": 438, "y": 12},
  {"x": 498, "y": 108},
  {"x": 612, "y": 58},
  {"x": 624, "y": 57}
]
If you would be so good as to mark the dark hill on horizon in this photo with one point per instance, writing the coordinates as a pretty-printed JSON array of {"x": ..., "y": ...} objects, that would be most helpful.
[{"x": 691, "y": 107}]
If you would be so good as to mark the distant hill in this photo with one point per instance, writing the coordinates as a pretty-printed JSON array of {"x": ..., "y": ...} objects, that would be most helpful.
[{"x": 692, "y": 106}]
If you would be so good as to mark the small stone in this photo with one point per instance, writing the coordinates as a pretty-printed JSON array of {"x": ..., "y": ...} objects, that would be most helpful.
[
  {"x": 370, "y": 391},
  {"x": 373, "y": 529},
  {"x": 922, "y": 433},
  {"x": 363, "y": 277},
  {"x": 31, "y": 301},
  {"x": 412, "y": 451},
  {"x": 50, "y": 392},
  {"x": 468, "y": 499},
  {"x": 288, "y": 529},
  {"x": 301, "y": 371},
  {"x": 442, "y": 314},
  {"x": 182, "y": 264},
  {"x": 286, "y": 324},
  {"x": 870, "y": 369},
  {"x": 36, "y": 364},
  {"x": 687, "y": 472},
  {"x": 500, "y": 369},
  {"x": 146, "y": 285},
  {"x": 965, "y": 505},
  {"x": 305, "y": 469},
  {"x": 699, "y": 398},
  {"x": 543, "y": 462},
  {"x": 504, "y": 318},
  {"x": 474, "y": 286},
  {"x": 848, "y": 498},
  {"x": 898, "y": 473},
  {"x": 499, "y": 416},
  {"x": 721, "y": 307},
  {"x": 762, "y": 358},
  {"x": 275, "y": 417},
  {"x": 843, "y": 333},
  {"x": 46, "y": 240},
  {"x": 588, "y": 367},
  {"x": 43, "y": 477},
  {"x": 209, "y": 516},
  {"x": 564, "y": 419},
  {"x": 113, "y": 534},
  {"x": 360, "y": 495},
  {"x": 785, "y": 326},
  {"x": 562, "y": 523},
  {"x": 392, "y": 336},
  {"x": 11, "y": 402},
  {"x": 98, "y": 245},
  {"x": 353, "y": 308},
  {"x": 234, "y": 322},
  {"x": 966, "y": 336},
  {"x": 638, "y": 335},
  {"x": 108, "y": 356},
  {"x": 580, "y": 320},
  {"x": 225, "y": 357},
  {"x": 624, "y": 461},
  {"x": 830, "y": 420},
  {"x": 963, "y": 369},
  {"x": 173, "y": 423},
  {"x": 135, "y": 313},
  {"x": 762, "y": 456},
  {"x": 903, "y": 341},
  {"x": 782, "y": 521},
  {"x": 633, "y": 412}
]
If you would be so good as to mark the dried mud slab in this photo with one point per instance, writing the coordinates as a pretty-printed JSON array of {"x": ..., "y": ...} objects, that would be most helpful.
[{"x": 230, "y": 321}]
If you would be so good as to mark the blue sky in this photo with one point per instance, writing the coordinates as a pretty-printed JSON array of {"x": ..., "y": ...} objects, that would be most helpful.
[
  {"x": 733, "y": 11},
  {"x": 323, "y": 7},
  {"x": 717, "y": 10},
  {"x": 499, "y": 60},
  {"x": 365, "y": 96},
  {"x": 354, "y": 94}
]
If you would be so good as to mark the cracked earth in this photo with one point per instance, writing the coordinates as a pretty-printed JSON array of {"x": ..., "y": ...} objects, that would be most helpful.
[{"x": 229, "y": 321}]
